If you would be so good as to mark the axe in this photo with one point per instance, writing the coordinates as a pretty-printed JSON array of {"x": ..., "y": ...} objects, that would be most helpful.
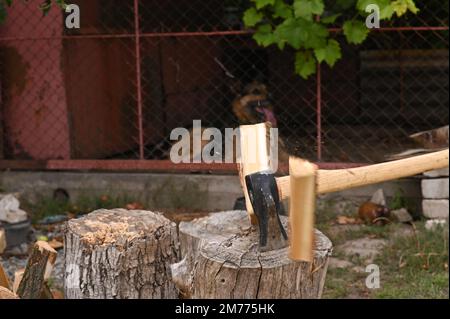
[{"x": 264, "y": 192}]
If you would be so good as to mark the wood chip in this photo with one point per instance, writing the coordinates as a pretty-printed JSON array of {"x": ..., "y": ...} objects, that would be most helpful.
[
  {"x": 345, "y": 220},
  {"x": 55, "y": 244}
]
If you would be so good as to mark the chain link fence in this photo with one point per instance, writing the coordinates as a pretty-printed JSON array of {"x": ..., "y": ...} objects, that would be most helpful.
[{"x": 114, "y": 89}]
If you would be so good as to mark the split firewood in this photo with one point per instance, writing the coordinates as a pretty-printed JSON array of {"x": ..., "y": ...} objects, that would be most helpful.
[
  {"x": 7, "y": 294},
  {"x": 37, "y": 271},
  {"x": 4, "y": 282},
  {"x": 57, "y": 294},
  {"x": 18, "y": 275},
  {"x": 2, "y": 241},
  {"x": 46, "y": 292},
  {"x": 432, "y": 139},
  {"x": 55, "y": 244}
]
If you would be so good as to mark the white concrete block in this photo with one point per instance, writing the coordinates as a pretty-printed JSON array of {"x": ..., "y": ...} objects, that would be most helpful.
[
  {"x": 436, "y": 188},
  {"x": 437, "y": 173},
  {"x": 435, "y": 208}
]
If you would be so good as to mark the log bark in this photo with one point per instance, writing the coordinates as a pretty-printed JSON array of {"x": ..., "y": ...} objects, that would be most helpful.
[
  {"x": 192, "y": 233},
  {"x": 223, "y": 260},
  {"x": 120, "y": 254},
  {"x": 38, "y": 269}
]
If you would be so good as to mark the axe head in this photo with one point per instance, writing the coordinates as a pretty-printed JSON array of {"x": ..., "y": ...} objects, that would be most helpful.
[{"x": 264, "y": 197}]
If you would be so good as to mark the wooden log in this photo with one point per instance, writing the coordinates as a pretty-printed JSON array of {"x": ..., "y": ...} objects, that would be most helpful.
[
  {"x": 2, "y": 240},
  {"x": 38, "y": 269},
  {"x": 4, "y": 281},
  {"x": 18, "y": 275},
  {"x": 7, "y": 294},
  {"x": 192, "y": 233},
  {"x": 225, "y": 261},
  {"x": 120, "y": 254}
]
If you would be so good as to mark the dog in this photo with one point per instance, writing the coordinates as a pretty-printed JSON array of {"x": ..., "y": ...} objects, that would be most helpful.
[{"x": 252, "y": 104}]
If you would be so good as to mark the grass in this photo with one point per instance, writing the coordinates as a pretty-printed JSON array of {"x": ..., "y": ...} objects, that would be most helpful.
[
  {"x": 410, "y": 266},
  {"x": 47, "y": 206},
  {"x": 416, "y": 267}
]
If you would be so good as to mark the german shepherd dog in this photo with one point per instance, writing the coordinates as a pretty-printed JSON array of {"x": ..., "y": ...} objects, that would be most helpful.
[{"x": 252, "y": 105}]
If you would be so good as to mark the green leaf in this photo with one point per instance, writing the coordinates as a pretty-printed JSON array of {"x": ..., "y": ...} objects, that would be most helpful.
[
  {"x": 307, "y": 8},
  {"x": 263, "y": 3},
  {"x": 330, "y": 19},
  {"x": 386, "y": 10},
  {"x": 317, "y": 35},
  {"x": 291, "y": 32},
  {"x": 330, "y": 54},
  {"x": 305, "y": 64},
  {"x": 355, "y": 31},
  {"x": 317, "y": 6},
  {"x": 252, "y": 17},
  {"x": 264, "y": 35},
  {"x": 282, "y": 10},
  {"x": 412, "y": 6},
  {"x": 400, "y": 7},
  {"x": 345, "y": 4},
  {"x": 301, "y": 33}
]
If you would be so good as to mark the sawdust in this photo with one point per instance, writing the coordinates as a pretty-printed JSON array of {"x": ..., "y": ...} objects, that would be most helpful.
[
  {"x": 104, "y": 234},
  {"x": 116, "y": 226}
]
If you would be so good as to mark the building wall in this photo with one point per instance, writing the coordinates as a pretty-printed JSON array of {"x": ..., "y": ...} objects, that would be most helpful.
[{"x": 33, "y": 94}]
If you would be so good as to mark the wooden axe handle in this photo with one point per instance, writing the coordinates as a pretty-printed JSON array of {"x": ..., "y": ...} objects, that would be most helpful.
[{"x": 329, "y": 181}]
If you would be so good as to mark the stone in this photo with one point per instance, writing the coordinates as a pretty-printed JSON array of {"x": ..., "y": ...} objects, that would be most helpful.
[
  {"x": 365, "y": 248},
  {"x": 13, "y": 217},
  {"x": 378, "y": 198},
  {"x": 334, "y": 263},
  {"x": 433, "y": 224},
  {"x": 401, "y": 215},
  {"x": 437, "y": 173},
  {"x": 435, "y": 208},
  {"x": 435, "y": 188},
  {"x": 10, "y": 211},
  {"x": 20, "y": 250},
  {"x": 403, "y": 231}
]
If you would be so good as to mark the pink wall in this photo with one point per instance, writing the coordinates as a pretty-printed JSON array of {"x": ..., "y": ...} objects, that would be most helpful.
[{"x": 33, "y": 100}]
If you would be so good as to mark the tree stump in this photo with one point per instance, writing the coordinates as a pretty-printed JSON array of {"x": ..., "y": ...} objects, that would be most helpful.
[
  {"x": 222, "y": 260},
  {"x": 191, "y": 235},
  {"x": 120, "y": 254}
]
